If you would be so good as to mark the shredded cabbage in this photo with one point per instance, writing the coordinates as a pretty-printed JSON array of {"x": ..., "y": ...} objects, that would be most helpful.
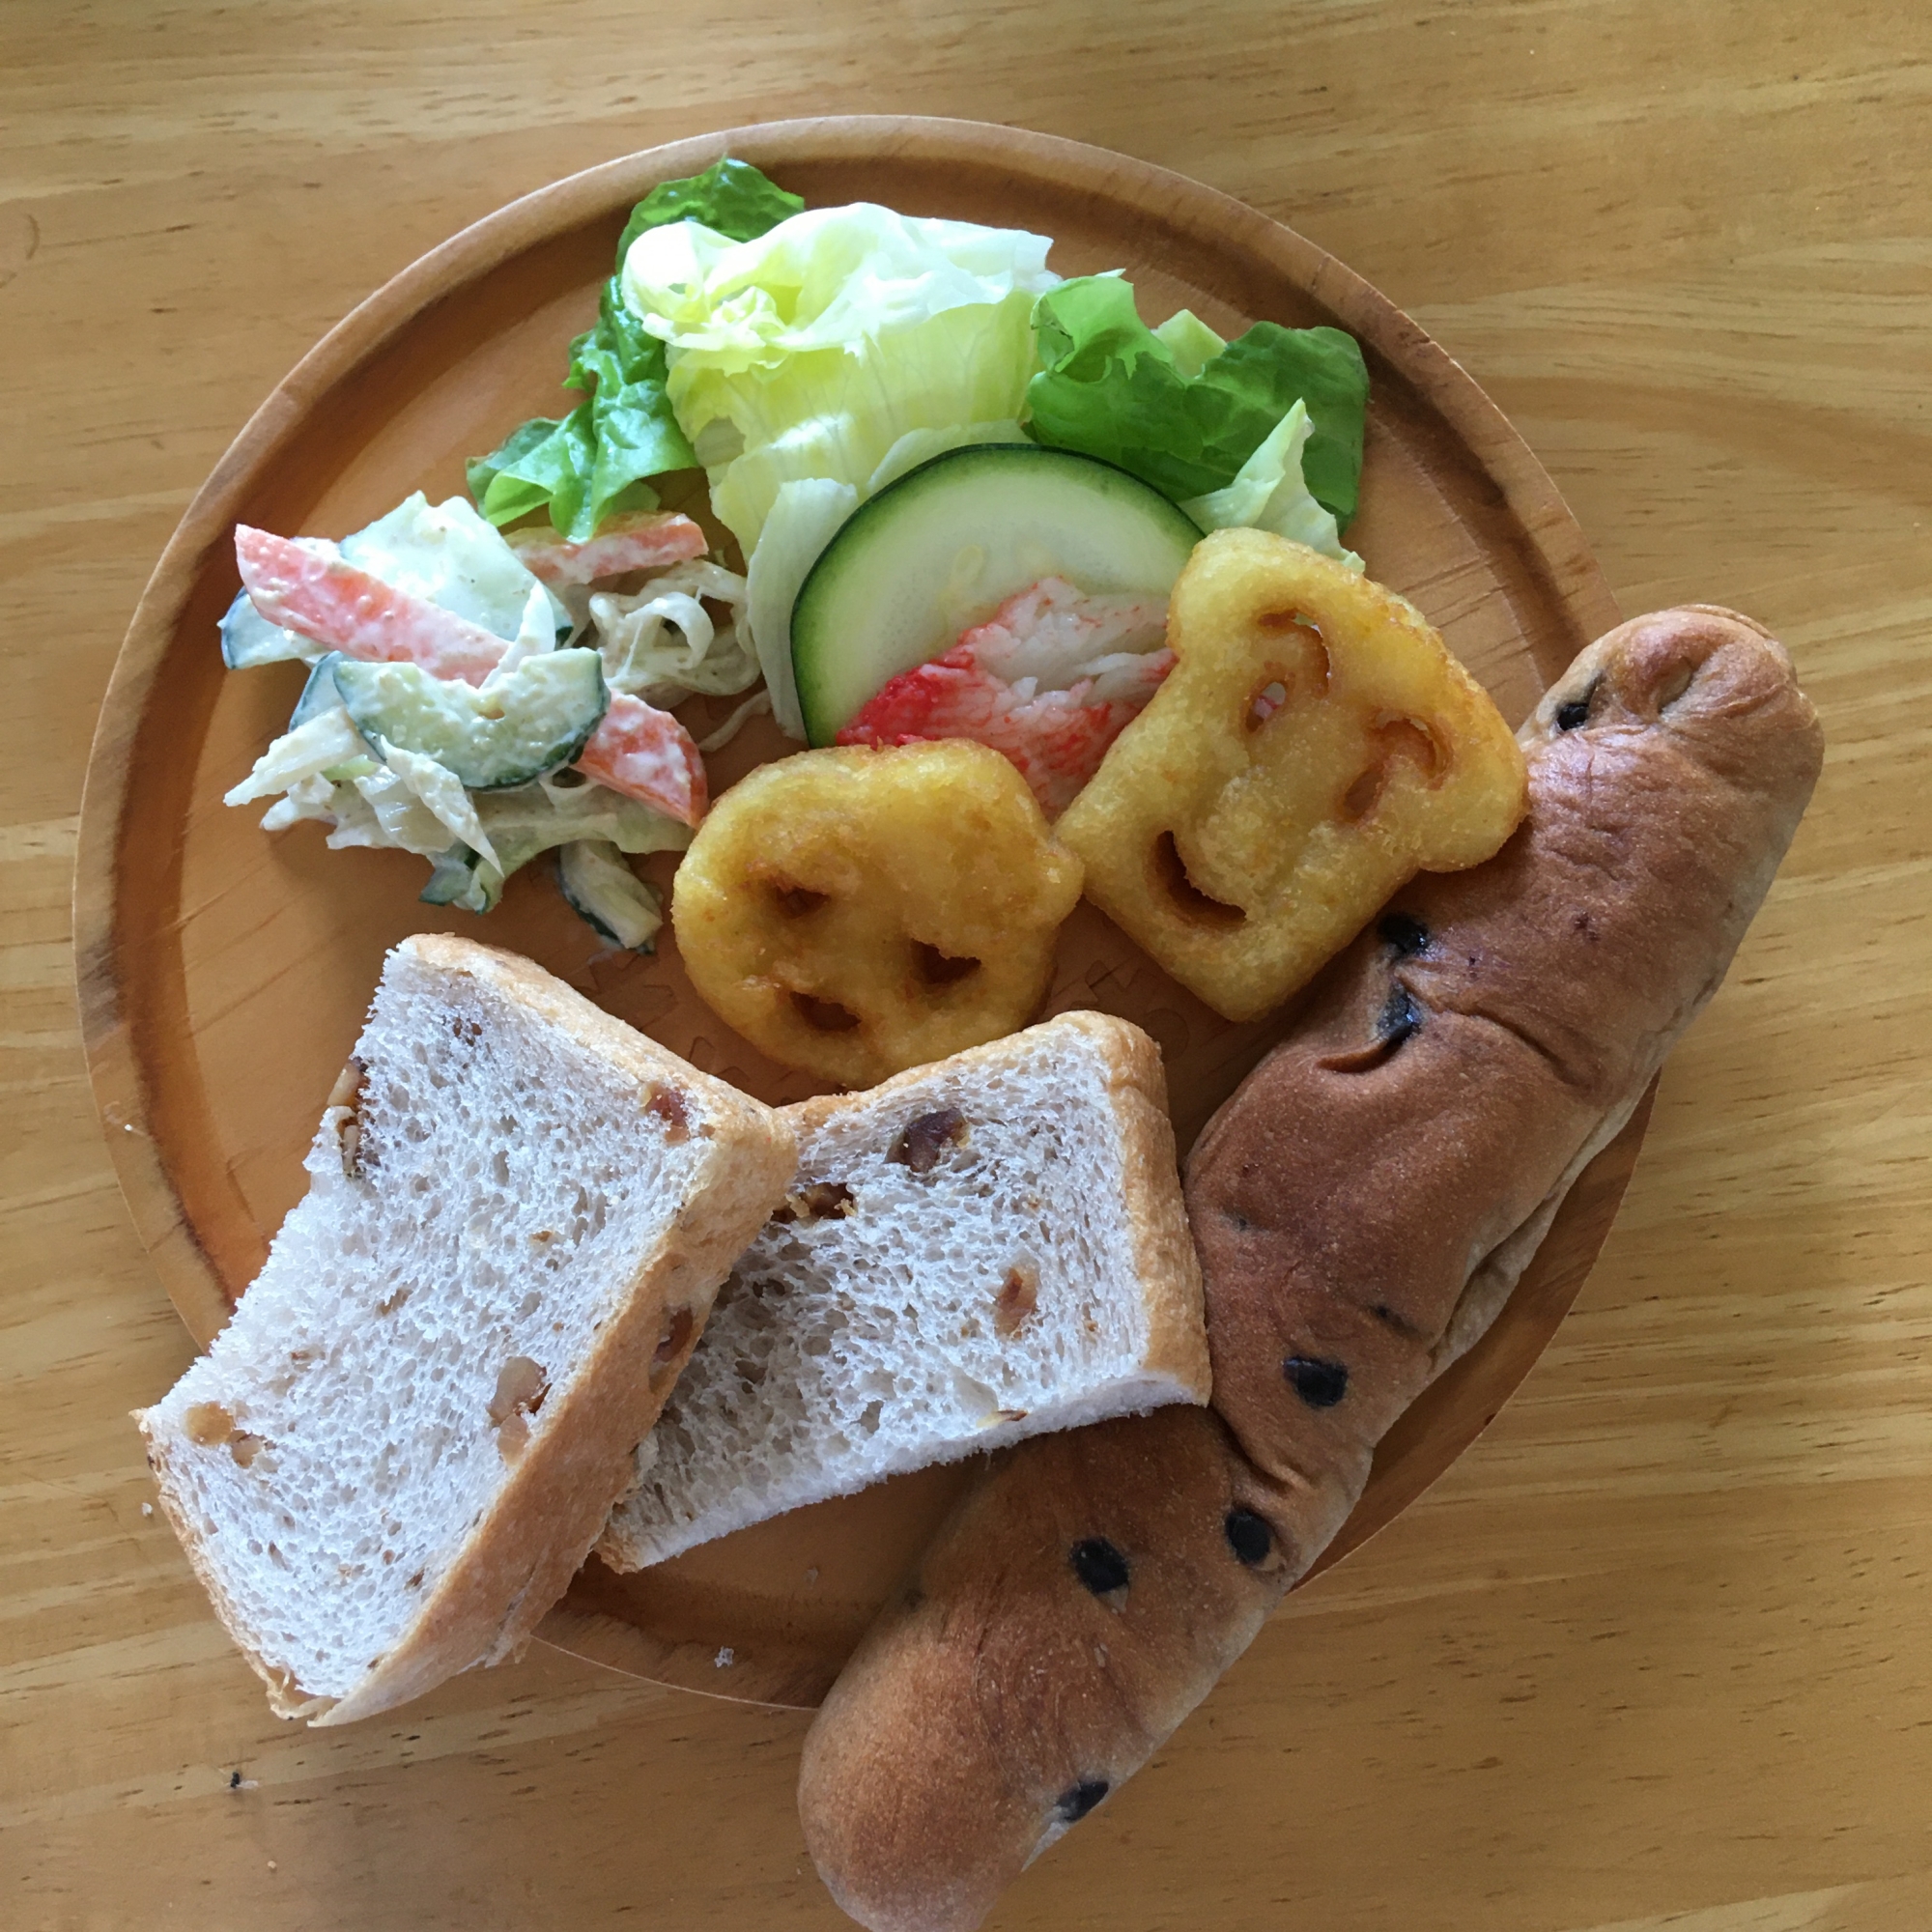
[
  {"x": 441, "y": 791},
  {"x": 531, "y": 818},
  {"x": 757, "y": 705},
  {"x": 528, "y": 819},
  {"x": 446, "y": 553},
  {"x": 662, "y": 644},
  {"x": 400, "y": 816},
  {"x": 306, "y": 797},
  {"x": 327, "y": 739},
  {"x": 536, "y": 636}
]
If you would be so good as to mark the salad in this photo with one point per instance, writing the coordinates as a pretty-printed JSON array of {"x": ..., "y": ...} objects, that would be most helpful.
[{"x": 955, "y": 491}]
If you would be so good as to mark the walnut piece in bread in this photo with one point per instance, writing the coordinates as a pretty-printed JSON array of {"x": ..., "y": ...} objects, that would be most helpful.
[{"x": 1363, "y": 1206}]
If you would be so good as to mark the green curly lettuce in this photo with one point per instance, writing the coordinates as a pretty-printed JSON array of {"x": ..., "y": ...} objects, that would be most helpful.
[
  {"x": 1186, "y": 421},
  {"x": 592, "y": 464}
]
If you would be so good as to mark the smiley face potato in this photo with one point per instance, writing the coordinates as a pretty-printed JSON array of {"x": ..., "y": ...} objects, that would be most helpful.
[
  {"x": 1315, "y": 746},
  {"x": 854, "y": 912}
]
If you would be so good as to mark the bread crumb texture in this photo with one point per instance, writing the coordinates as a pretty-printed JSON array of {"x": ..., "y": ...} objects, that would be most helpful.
[
  {"x": 418, "y": 1323},
  {"x": 953, "y": 1269}
]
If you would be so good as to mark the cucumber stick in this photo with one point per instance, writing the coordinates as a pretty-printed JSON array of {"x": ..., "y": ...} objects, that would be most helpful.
[
  {"x": 943, "y": 547},
  {"x": 248, "y": 638},
  {"x": 609, "y": 896},
  {"x": 320, "y": 694},
  {"x": 541, "y": 716},
  {"x": 520, "y": 824}
]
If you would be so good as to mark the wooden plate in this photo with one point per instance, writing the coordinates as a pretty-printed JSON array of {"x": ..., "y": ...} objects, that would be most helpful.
[{"x": 224, "y": 973}]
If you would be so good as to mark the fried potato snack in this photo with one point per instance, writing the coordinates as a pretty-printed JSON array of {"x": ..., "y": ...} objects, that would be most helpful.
[
  {"x": 1315, "y": 746},
  {"x": 854, "y": 912}
]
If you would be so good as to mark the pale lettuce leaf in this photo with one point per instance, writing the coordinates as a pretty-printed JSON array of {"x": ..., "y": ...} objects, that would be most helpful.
[
  {"x": 809, "y": 352},
  {"x": 922, "y": 446},
  {"x": 1189, "y": 340},
  {"x": 1268, "y": 494},
  {"x": 593, "y": 463},
  {"x": 805, "y": 515}
]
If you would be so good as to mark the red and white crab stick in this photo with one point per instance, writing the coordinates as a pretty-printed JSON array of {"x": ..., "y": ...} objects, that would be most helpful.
[
  {"x": 303, "y": 584},
  {"x": 645, "y": 540}
]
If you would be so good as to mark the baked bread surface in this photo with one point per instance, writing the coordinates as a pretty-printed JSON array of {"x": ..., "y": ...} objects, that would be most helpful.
[
  {"x": 1027, "y": 1266},
  {"x": 394, "y": 1456},
  {"x": 1362, "y": 1207}
]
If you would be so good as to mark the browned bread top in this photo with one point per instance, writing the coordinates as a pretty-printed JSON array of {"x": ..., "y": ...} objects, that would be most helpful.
[
  {"x": 1362, "y": 1206},
  {"x": 1346, "y": 1197}
]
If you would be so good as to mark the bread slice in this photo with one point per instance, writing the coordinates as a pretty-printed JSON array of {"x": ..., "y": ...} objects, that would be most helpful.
[
  {"x": 978, "y": 1250},
  {"x": 398, "y": 1451}
]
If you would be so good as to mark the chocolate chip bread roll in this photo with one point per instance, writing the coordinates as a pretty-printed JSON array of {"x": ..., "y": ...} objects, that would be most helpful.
[{"x": 1363, "y": 1206}]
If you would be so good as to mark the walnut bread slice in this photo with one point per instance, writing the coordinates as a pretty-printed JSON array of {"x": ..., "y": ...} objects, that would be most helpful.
[
  {"x": 405, "y": 1441},
  {"x": 981, "y": 1249}
]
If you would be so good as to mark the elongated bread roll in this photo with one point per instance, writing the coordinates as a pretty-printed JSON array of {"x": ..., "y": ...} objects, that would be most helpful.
[{"x": 1363, "y": 1206}]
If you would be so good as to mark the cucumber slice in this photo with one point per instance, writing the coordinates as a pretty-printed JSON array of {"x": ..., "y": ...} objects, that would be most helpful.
[
  {"x": 540, "y": 717},
  {"x": 458, "y": 877},
  {"x": 608, "y": 895},
  {"x": 949, "y": 541},
  {"x": 248, "y": 638},
  {"x": 319, "y": 694}
]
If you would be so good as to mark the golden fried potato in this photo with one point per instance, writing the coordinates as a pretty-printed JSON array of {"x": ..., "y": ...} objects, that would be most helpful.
[
  {"x": 1315, "y": 746},
  {"x": 855, "y": 912}
]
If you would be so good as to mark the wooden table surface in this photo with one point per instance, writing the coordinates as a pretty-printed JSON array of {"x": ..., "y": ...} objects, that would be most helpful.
[{"x": 1659, "y": 1650}]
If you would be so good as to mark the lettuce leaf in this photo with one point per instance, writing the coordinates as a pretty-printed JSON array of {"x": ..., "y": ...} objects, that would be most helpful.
[
  {"x": 729, "y": 197},
  {"x": 1112, "y": 388},
  {"x": 1192, "y": 344},
  {"x": 809, "y": 352},
  {"x": 592, "y": 464},
  {"x": 1270, "y": 494},
  {"x": 804, "y": 518},
  {"x": 811, "y": 364}
]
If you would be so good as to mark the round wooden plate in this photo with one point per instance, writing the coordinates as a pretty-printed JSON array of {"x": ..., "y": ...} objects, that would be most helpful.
[{"x": 223, "y": 973}]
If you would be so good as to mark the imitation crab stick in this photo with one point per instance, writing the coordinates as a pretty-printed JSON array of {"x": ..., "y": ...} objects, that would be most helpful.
[
  {"x": 1049, "y": 681},
  {"x": 646, "y": 754},
  {"x": 648, "y": 540},
  {"x": 305, "y": 585}
]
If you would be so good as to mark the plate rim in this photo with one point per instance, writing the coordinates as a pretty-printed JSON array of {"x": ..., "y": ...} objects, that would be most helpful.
[{"x": 1556, "y": 550}]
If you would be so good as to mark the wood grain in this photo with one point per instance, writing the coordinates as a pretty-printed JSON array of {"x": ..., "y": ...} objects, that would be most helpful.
[{"x": 1651, "y": 1652}]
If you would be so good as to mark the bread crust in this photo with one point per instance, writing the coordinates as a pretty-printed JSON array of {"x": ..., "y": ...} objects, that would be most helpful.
[
  {"x": 1363, "y": 1206},
  {"x": 1165, "y": 1262},
  {"x": 546, "y": 1514}
]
